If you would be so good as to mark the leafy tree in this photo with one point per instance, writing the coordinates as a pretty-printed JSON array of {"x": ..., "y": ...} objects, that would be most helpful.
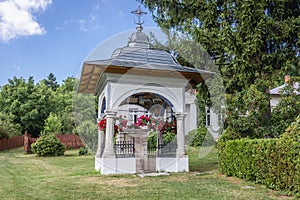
[
  {"x": 29, "y": 104},
  {"x": 191, "y": 54},
  {"x": 7, "y": 127},
  {"x": 25, "y": 105},
  {"x": 286, "y": 111},
  {"x": 254, "y": 44},
  {"x": 52, "y": 124},
  {"x": 63, "y": 98}
]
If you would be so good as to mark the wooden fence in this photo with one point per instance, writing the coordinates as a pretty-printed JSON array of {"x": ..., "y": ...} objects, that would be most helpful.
[
  {"x": 10, "y": 143},
  {"x": 69, "y": 141}
]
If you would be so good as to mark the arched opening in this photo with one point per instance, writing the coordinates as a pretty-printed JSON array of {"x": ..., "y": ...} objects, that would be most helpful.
[
  {"x": 103, "y": 106},
  {"x": 145, "y": 104},
  {"x": 153, "y": 112}
]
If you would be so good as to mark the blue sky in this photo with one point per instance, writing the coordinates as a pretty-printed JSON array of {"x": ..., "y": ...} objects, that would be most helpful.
[{"x": 38, "y": 37}]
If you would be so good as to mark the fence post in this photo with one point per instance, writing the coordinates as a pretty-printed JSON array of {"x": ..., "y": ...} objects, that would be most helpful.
[{"x": 26, "y": 142}]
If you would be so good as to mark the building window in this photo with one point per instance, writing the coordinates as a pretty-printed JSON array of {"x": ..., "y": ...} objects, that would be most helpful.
[
  {"x": 208, "y": 116},
  {"x": 133, "y": 115},
  {"x": 103, "y": 106}
]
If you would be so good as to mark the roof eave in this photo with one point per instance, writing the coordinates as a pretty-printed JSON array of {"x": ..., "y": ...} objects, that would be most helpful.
[{"x": 93, "y": 71}]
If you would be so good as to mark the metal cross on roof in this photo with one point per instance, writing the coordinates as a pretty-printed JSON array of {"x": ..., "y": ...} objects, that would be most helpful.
[{"x": 139, "y": 13}]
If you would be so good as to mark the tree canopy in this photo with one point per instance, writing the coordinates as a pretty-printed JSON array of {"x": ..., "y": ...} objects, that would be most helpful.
[
  {"x": 253, "y": 43},
  {"x": 39, "y": 107}
]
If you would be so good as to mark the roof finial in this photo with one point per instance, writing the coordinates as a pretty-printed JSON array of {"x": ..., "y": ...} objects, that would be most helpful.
[{"x": 139, "y": 13}]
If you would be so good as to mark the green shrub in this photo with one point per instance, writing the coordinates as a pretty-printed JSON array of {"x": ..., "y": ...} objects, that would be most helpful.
[
  {"x": 48, "y": 145},
  {"x": 273, "y": 162},
  {"x": 200, "y": 137},
  {"x": 83, "y": 151},
  {"x": 289, "y": 148},
  {"x": 293, "y": 131},
  {"x": 152, "y": 140},
  {"x": 167, "y": 138}
]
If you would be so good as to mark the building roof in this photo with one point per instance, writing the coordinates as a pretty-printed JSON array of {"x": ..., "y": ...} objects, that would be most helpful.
[
  {"x": 279, "y": 90},
  {"x": 139, "y": 58}
]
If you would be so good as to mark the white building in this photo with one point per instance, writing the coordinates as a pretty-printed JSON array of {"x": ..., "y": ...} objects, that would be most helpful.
[
  {"x": 276, "y": 93},
  {"x": 141, "y": 81}
]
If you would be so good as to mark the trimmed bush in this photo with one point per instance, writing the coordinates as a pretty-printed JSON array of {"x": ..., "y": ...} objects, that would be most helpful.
[
  {"x": 82, "y": 151},
  {"x": 200, "y": 137},
  {"x": 272, "y": 162},
  {"x": 48, "y": 145}
]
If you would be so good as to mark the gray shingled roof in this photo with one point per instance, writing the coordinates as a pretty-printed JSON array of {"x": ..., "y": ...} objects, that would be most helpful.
[
  {"x": 279, "y": 90},
  {"x": 138, "y": 55}
]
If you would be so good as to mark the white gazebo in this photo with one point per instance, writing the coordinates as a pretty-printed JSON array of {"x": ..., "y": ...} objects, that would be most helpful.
[{"x": 139, "y": 81}]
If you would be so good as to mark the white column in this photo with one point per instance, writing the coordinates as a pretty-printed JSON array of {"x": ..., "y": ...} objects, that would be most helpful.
[
  {"x": 109, "y": 133},
  {"x": 180, "y": 134},
  {"x": 100, "y": 143}
]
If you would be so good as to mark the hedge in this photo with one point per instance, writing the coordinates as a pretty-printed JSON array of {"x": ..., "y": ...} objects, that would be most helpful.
[{"x": 272, "y": 162}]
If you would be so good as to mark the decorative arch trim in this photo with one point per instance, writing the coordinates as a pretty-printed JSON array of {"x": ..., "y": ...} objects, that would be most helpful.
[{"x": 175, "y": 103}]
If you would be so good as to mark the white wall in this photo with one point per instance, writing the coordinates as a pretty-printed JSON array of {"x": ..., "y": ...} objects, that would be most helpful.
[{"x": 274, "y": 100}]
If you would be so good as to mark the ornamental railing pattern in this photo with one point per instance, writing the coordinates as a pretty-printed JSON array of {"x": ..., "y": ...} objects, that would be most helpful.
[{"x": 124, "y": 149}]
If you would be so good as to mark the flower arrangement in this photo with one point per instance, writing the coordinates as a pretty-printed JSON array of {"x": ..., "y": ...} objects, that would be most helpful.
[
  {"x": 122, "y": 122},
  {"x": 169, "y": 127},
  {"x": 102, "y": 126},
  {"x": 143, "y": 120}
]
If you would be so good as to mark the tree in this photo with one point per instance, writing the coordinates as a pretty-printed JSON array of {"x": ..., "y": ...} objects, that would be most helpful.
[
  {"x": 7, "y": 127},
  {"x": 254, "y": 44},
  {"x": 191, "y": 54},
  {"x": 63, "y": 99},
  {"x": 52, "y": 124},
  {"x": 51, "y": 82},
  {"x": 287, "y": 110},
  {"x": 28, "y": 103}
]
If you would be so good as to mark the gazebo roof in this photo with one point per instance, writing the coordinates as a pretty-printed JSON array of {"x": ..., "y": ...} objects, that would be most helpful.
[{"x": 138, "y": 58}]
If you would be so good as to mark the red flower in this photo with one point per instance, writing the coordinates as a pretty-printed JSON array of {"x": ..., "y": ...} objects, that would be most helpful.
[
  {"x": 102, "y": 125},
  {"x": 143, "y": 120}
]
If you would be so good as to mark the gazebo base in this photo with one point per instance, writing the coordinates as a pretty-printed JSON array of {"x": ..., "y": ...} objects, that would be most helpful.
[
  {"x": 173, "y": 164},
  {"x": 115, "y": 165},
  {"x": 130, "y": 165}
]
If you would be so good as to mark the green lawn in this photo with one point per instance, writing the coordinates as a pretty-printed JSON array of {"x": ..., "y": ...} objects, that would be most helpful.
[{"x": 73, "y": 177}]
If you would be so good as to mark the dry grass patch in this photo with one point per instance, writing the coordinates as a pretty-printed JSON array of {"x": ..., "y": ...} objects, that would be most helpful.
[{"x": 119, "y": 182}]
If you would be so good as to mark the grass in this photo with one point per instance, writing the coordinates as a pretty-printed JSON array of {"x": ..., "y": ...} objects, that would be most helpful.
[{"x": 73, "y": 177}]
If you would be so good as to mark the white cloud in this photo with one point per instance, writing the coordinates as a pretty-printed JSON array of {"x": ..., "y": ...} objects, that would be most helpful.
[
  {"x": 96, "y": 7},
  {"x": 17, "y": 19},
  {"x": 89, "y": 24},
  {"x": 17, "y": 68}
]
